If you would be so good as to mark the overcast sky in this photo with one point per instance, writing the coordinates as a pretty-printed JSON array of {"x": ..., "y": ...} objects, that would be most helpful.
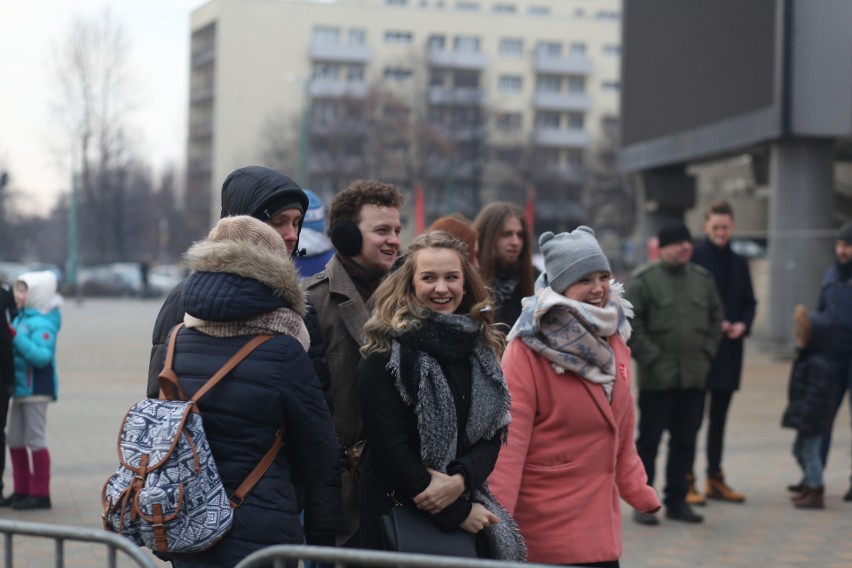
[{"x": 158, "y": 36}]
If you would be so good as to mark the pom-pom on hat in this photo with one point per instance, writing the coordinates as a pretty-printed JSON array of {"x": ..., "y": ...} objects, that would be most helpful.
[
  {"x": 673, "y": 232},
  {"x": 315, "y": 215},
  {"x": 845, "y": 233},
  {"x": 570, "y": 256}
]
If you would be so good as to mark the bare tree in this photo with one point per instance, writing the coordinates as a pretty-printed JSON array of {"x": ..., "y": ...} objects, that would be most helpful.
[{"x": 94, "y": 104}]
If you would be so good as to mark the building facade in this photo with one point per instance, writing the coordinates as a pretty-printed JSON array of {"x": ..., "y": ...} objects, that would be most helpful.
[{"x": 473, "y": 99}]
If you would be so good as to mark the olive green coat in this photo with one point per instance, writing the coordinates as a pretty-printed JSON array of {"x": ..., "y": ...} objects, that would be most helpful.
[{"x": 677, "y": 325}]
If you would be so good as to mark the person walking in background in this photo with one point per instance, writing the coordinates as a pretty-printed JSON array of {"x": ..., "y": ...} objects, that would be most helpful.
[
  {"x": 570, "y": 449},
  {"x": 274, "y": 388},
  {"x": 810, "y": 396},
  {"x": 364, "y": 226},
  {"x": 8, "y": 311},
  {"x": 462, "y": 229},
  {"x": 733, "y": 281},
  {"x": 677, "y": 327},
  {"x": 317, "y": 247},
  {"x": 505, "y": 258},
  {"x": 835, "y": 300},
  {"x": 34, "y": 332},
  {"x": 433, "y": 398}
]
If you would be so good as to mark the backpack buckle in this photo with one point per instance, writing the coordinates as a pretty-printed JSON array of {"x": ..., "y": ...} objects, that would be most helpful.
[{"x": 235, "y": 504}]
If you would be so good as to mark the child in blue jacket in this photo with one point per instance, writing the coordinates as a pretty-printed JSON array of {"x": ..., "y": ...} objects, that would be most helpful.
[{"x": 35, "y": 329}]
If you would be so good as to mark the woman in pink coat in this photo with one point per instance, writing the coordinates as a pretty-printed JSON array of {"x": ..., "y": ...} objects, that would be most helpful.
[{"x": 571, "y": 453}]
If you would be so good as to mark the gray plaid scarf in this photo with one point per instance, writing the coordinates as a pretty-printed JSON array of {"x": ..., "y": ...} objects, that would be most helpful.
[{"x": 573, "y": 335}]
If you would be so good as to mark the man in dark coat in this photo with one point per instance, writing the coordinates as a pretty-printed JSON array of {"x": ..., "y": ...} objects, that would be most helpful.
[
  {"x": 733, "y": 281},
  {"x": 7, "y": 368},
  {"x": 835, "y": 300}
]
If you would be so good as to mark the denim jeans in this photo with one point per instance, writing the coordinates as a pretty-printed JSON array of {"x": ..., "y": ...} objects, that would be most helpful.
[{"x": 806, "y": 450}]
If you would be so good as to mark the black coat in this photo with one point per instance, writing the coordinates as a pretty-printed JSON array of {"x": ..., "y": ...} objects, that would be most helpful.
[
  {"x": 391, "y": 459},
  {"x": 274, "y": 387},
  {"x": 810, "y": 410},
  {"x": 733, "y": 281},
  {"x": 7, "y": 361}
]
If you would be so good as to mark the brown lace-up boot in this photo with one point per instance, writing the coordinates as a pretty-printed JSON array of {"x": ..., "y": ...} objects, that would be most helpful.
[
  {"x": 811, "y": 498},
  {"x": 717, "y": 489},
  {"x": 693, "y": 497}
]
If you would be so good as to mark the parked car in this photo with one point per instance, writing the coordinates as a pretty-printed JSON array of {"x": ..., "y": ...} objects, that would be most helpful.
[
  {"x": 163, "y": 277},
  {"x": 9, "y": 271},
  {"x": 116, "y": 279}
]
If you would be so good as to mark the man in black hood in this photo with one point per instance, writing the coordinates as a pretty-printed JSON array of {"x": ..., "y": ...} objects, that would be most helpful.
[{"x": 262, "y": 193}]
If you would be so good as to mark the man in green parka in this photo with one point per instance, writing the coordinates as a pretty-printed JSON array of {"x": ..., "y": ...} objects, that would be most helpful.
[{"x": 677, "y": 328}]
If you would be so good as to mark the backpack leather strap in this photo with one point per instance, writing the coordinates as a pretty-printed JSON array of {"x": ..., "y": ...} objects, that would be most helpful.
[
  {"x": 258, "y": 472},
  {"x": 170, "y": 388},
  {"x": 244, "y": 351}
]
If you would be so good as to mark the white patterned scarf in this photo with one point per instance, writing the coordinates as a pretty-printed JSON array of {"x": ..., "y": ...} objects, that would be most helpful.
[{"x": 573, "y": 335}]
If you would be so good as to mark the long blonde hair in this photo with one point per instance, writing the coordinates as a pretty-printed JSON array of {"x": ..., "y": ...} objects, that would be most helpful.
[{"x": 397, "y": 309}]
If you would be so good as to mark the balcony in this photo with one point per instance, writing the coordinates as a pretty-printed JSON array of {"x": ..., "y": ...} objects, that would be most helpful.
[
  {"x": 561, "y": 138},
  {"x": 201, "y": 94},
  {"x": 465, "y": 60},
  {"x": 452, "y": 96},
  {"x": 340, "y": 52},
  {"x": 204, "y": 56},
  {"x": 563, "y": 173},
  {"x": 562, "y": 102},
  {"x": 322, "y": 87},
  {"x": 563, "y": 65}
]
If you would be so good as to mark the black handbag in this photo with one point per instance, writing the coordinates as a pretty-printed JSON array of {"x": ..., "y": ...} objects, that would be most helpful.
[{"x": 408, "y": 529}]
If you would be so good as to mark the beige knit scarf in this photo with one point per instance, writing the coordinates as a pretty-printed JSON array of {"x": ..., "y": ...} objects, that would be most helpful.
[{"x": 281, "y": 321}]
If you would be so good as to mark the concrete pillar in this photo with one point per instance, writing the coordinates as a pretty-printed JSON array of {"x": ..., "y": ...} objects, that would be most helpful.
[
  {"x": 662, "y": 194},
  {"x": 801, "y": 179}
]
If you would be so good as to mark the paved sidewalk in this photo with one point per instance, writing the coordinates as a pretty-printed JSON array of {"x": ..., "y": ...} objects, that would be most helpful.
[{"x": 103, "y": 358}]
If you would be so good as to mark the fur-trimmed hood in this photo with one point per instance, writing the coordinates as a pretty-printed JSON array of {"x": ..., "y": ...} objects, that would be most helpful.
[{"x": 248, "y": 264}]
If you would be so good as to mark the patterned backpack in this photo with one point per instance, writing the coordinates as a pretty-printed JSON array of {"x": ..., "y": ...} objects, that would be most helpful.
[{"x": 166, "y": 493}]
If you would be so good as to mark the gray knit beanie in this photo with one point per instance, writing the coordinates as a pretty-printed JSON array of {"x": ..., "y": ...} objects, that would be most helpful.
[{"x": 570, "y": 256}]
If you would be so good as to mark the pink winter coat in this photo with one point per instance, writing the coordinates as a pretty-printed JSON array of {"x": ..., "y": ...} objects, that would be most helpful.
[{"x": 569, "y": 457}]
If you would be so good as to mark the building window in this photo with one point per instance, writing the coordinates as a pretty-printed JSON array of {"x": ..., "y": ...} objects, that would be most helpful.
[
  {"x": 549, "y": 120},
  {"x": 398, "y": 37},
  {"x": 467, "y": 6},
  {"x": 466, "y": 44},
  {"x": 538, "y": 11},
  {"x": 398, "y": 73},
  {"x": 577, "y": 48},
  {"x": 576, "y": 85},
  {"x": 612, "y": 49},
  {"x": 505, "y": 8},
  {"x": 611, "y": 86},
  {"x": 355, "y": 74},
  {"x": 437, "y": 78},
  {"x": 549, "y": 48},
  {"x": 357, "y": 36},
  {"x": 509, "y": 121},
  {"x": 547, "y": 84},
  {"x": 574, "y": 158},
  {"x": 325, "y": 34},
  {"x": 509, "y": 84},
  {"x": 436, "y": 43},
  {"x": 322, "y": 111},
  {"x": 466, "y": 80},
  {"x": 511, "y": 47},
  {"x": 606, "y": 15},
  {"x": 575, "y": 121},
  {"x": 326, "y": 71}
]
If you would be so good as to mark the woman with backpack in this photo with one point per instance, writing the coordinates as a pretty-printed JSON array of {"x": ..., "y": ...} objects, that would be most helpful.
[{"x": 243, "y": 285}]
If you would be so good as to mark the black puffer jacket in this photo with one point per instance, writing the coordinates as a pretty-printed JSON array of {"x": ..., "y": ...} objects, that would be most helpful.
[
  {"x": 274, "y": 386},
  {"x": 811, "y": 391}
]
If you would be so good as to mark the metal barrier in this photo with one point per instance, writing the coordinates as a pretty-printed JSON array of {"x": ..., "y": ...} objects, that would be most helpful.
[
  {"x": 341, "y": 557},
  {"x": 61, "y": 533}
]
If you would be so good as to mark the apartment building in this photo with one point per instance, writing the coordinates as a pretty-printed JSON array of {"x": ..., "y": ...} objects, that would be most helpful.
[{"x": 473, "y": 99}]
